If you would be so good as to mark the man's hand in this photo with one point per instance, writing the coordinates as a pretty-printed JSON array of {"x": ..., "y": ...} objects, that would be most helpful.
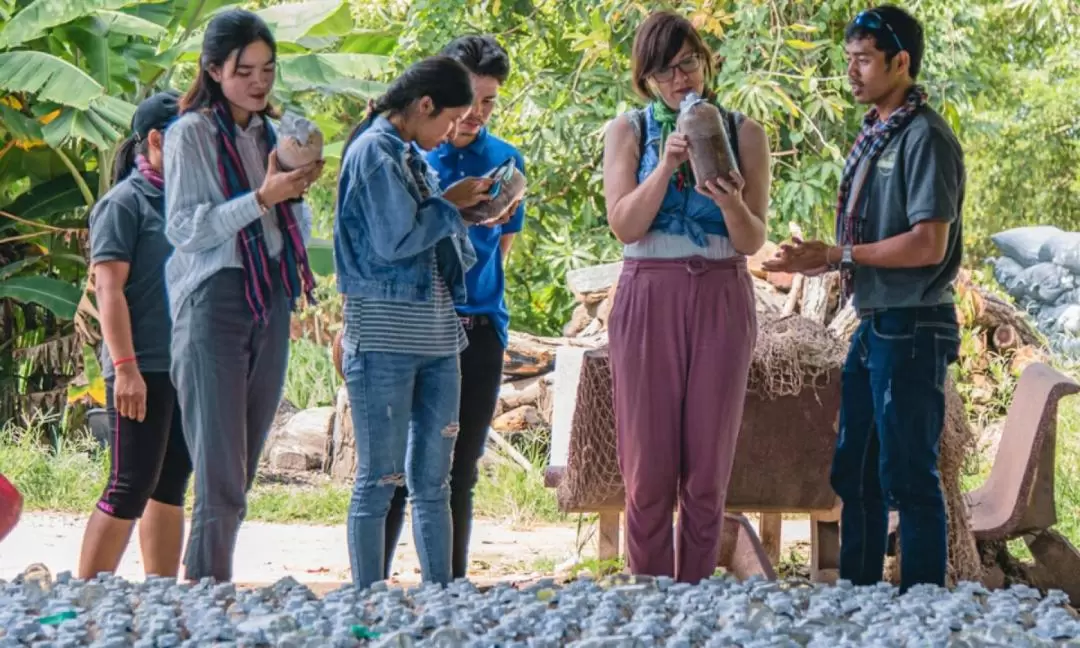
[{"x": 806, "y": 257}]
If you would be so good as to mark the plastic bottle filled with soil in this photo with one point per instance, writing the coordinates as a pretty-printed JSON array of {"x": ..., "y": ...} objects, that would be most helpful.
[
  {"x": 711, "y": 156},
  {"x": 300, "y": 142},
  {"x": 508, "y": 188}
]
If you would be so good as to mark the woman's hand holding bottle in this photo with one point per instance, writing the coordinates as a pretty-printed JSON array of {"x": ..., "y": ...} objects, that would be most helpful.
[
  {"x": 468, "y": 192},
  {"x": 279, "y": 186}
]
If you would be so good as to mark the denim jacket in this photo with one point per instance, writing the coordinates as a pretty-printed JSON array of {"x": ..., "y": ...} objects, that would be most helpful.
[
  {"x": 683, "y": 211},
  {"x": 385, "y": 233}
]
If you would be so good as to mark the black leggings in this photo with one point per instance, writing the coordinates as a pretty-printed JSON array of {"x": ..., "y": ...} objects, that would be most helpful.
[
  {"x": 481, "y": 375},
  {"x": 149, "y": 460}
]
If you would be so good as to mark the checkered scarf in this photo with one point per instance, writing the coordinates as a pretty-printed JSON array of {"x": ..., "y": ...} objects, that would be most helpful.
[
  {"x": 293, "y": 261},
  {"x": 874, "y": 136}
]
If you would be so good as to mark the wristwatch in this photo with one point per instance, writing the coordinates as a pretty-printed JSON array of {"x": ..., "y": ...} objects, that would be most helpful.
[{"x": 846, "y": 262}]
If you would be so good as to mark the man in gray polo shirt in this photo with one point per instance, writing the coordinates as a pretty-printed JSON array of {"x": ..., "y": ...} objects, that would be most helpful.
[{"x": 900, "y": 245}]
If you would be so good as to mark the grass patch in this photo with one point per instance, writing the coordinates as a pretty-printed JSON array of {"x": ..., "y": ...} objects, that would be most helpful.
[
  {"x": 69, "y": 476},
  {"x": 311, "y": 380},
  {"x": 510, "y": 494},
  {"x": 322, "y": 504}
]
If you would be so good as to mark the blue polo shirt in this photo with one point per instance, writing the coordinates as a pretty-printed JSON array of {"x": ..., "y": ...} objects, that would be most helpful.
[{"x": 485, "y": 281}]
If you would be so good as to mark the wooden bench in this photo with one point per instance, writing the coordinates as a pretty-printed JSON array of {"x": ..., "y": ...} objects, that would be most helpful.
[{"x": 782, "y": 463}]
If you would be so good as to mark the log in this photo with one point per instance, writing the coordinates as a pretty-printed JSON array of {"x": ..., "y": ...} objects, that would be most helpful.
[
  {"x": 997, "y": 312},
  {"x": 578, "y": 321},
  {"x": 794, "y": 296},
  {"x": 342, "y": 446},
  {"x": 517, "y": 393},
  {"x": 517, "y": 420},
  {"x": 527, "y": 356},
  {"x": 817, "y": 296},
  {"x": 603, "y": 311},
  {"x": 533, "y": 355},
  {"x": 844, "y": 322},
  {"x": 1005, "y": 337},
  {"x": 512, "y": 452}
]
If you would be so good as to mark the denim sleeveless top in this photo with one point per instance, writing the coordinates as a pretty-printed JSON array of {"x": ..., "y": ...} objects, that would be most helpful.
[{"x": 687, "y": 221}]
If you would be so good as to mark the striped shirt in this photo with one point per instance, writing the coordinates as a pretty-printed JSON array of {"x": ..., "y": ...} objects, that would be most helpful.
[
  {"x": 421, "y": 328},
  {"x": 199, "y": 222}
]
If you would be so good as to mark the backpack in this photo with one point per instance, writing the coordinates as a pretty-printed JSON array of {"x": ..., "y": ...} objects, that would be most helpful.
[{"x": 638, "y": 115}]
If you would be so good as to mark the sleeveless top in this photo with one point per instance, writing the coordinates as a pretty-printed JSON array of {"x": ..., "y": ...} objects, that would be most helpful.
[{"x": 688, "y": 223}]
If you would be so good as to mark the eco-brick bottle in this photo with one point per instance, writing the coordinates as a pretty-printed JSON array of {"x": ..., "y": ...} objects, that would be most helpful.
[
  {"x": 711, "y": 156},
  {"x": 300, "y": 142},
  {"x": 511, "y": 189}
]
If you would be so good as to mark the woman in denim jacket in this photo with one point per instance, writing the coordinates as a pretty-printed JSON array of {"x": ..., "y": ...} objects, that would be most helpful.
[
  {"x": 401, "y": 251},
  {"x": 683, "y": 325}
]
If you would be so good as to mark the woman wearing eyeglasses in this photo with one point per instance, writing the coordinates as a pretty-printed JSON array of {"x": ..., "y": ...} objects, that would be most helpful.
[{"x": 683, "y": 326}]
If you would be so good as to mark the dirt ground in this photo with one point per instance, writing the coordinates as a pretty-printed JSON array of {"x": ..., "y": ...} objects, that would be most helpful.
[{"x": 318, "y": 555}]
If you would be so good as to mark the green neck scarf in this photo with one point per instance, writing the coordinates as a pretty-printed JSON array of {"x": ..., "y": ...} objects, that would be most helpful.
[{"x": 667, "y": 118}]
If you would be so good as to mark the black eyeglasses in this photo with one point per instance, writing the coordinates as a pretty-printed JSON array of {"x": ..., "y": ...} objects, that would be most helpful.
[
  {"x": 871, "y": 19},
  {"x": 687, "y": 65}
]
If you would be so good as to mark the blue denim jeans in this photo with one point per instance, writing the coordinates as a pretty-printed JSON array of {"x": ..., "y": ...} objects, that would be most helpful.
[
  {"x": 405, "y": 419},
  {"x": 891, "y": 415}
]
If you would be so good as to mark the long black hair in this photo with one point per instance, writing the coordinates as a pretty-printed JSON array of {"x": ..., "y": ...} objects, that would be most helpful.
[
  {"x": 442, "y": 78},
  {"x": 229, "y": 31},
  {"x": 154, "y": 113},
  {"x": 129, "y": 149}
]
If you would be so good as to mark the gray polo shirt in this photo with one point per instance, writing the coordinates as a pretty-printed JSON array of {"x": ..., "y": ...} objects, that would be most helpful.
[
  {"x": 128, "y": 224},
  {"x": 919, "y": 177}
]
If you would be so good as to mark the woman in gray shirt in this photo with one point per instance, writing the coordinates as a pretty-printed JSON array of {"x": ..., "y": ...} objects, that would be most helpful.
[
  {"x": 239, "y": 227},
  {"x": 148, "y": 461}
]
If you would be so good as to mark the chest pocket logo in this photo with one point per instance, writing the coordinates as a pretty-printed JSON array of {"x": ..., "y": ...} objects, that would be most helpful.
[{"x": 887, "y": 161}]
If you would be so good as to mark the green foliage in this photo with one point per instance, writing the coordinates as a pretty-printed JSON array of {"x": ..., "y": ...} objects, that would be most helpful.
[
  {"x": 311, "y": 380},
  {"x": 783, "y": 65},
  {"x": 1004, "y": 74},
  {"x": 70, "y": 76}
]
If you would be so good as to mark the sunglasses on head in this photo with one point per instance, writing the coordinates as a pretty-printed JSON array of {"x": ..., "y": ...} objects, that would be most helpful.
[{"x": 872, "y": 20}]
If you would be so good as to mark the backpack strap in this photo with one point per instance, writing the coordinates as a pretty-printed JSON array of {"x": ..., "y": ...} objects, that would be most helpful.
[
  {"x": 642, "y": 126},
  {"x": 733, "y": 136}
]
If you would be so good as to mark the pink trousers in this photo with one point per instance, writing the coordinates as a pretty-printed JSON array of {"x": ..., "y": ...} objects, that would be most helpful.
[{"x": 682, "y": 334}]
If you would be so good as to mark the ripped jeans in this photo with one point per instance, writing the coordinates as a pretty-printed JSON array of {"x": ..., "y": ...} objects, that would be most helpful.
[{"x": 405, "y": 419}]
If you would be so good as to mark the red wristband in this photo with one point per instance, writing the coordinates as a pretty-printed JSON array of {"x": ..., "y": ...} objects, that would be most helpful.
[{"x": 117, "y": 363}]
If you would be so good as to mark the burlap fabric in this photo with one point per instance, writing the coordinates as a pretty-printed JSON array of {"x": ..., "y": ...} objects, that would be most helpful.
[{"x": 793, "y": 354}]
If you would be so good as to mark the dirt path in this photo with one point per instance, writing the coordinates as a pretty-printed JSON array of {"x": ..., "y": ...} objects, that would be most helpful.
[{"x": 318, "y": 554}]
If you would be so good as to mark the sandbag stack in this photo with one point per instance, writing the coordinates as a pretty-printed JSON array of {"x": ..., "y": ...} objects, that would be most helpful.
[{"x": 1040, "y": 269}]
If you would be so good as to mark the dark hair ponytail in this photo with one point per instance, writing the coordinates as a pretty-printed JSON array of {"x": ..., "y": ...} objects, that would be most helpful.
[
  {"x": 229, "y": 31},
  {"x": 442, "y": 78},
  {"x": 129, "y": 149}
]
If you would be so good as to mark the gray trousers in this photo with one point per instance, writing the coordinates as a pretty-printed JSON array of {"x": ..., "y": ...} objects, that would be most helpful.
[{"x": 229, "y": 376}]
